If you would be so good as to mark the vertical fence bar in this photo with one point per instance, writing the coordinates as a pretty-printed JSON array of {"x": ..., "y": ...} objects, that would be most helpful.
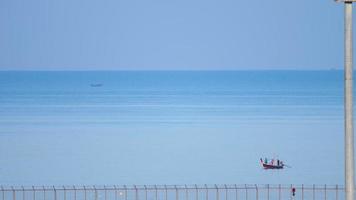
[
  {"x": 55, "y": 193},
  {"x": 115, "y": 189},
  {"x": 217, "y": 192},
  {"x": 44, "y": 192},
  {"x": 166, "y": 192},
  {"x": 186, "y": 192},
  {"x": 95, "y": 193},
  {"x": 23, "y": 193},
  {"x": 125, "y": 192},
  {"x": 325, "y": 192},
  {"x": 75, "y": 193},
  {"x": 290, "y": 192},
  {"x": 236, "y": 193},
  {"x": 177, "y": 194},
  {"x": 64, "y": 193},
  {"x": 136, "y": 193},
  {"x": 115, "y": 192},
  {"x": 226, "y": 193},
  {"x": 246, "y": 192},
  {"x": 13, "y": 193},
  {"x": 302, "y": 192},
  {"x": 105, "y": 193},
  {"x": 3, "y": 193},
  {"x": 337, "y": 192},
  {"x": 85, "y": 193},
  {"x": 34, "y": 193},
  {"x": 196, "y": 192},
  {"x": 256, "y": 192},
  {"x": 313, "y": 191},
  {"x": 156, "y": 191},
  {"x": 206, "y": 192},
  {"x": 145, "y": 192},
  {"x": 279, "y": 192}
]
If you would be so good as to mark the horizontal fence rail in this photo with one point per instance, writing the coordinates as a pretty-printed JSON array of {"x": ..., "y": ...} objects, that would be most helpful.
[{"x": 175, "y": 192}]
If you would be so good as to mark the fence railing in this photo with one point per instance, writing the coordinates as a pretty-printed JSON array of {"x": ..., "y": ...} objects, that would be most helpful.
[{"x": 174, "y": 192}]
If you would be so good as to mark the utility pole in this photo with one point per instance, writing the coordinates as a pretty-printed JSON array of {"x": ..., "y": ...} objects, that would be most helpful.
[{"x": 349, "y": 131}]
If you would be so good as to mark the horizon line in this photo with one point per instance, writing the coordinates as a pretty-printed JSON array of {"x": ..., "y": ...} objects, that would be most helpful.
[{"x": 157, "y": 70}]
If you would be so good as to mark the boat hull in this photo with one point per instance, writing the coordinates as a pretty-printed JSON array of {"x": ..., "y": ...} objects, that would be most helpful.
[{"x": 267, "y": 166}]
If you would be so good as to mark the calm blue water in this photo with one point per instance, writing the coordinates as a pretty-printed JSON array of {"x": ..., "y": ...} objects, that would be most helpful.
[{"x": 170, "y": 127}]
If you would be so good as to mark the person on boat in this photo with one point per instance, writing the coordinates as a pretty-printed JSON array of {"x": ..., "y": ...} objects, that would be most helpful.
[
  {"x": 278, "y": 162},
  {"x": 266, "y": 161}
]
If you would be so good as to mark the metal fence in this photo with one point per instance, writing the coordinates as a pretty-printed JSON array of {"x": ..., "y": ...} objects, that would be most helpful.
[{"x": 175, "y": 192}]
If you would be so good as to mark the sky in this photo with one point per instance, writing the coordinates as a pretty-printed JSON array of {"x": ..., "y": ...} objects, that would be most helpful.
[{"x": 170, "y": 34}]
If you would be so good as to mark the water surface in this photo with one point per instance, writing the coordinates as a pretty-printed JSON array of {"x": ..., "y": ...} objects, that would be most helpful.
[{"x": 170, "y": 127}]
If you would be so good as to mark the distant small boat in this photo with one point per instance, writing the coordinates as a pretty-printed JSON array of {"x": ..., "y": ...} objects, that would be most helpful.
[
  {"x": 96, "y": 85},
  {"x": 279, "y": 164}
]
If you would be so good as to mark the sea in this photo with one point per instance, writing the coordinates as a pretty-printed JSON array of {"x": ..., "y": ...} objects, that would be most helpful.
[{"x": 170, "y": 127}]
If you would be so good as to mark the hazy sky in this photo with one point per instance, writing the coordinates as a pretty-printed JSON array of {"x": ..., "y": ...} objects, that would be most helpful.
[{"x": 170, "y": 34}]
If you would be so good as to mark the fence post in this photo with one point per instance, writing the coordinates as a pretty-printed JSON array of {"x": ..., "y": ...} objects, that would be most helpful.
[
  {"x": 44, "y": 192},
  {"x": 145, "y": 192},
  {"x": 279, "y": 192},
  {"x": 236, "y": 194},
  {"x": 267, "y": 191},
  {"x": 65, "y": 193},
  {"x": 217, "y": 192},
  {"x": 313, "y": 191},
  {"x": 105, "y": 192},
  {"x": 177, "y": 194},
  {"x": 75, "y": 193},
  {"x": 34, "y": 193},
  {"x": 246, "y": 192},
  {"x": 156, "y": 192},
  {"x": 290, "y": 192},
  {"x": 13, "y": 193},
  {"x": 302, "y": 192},
  {"x": 55, "y": 193},
  {"x": 206, "y": 192},
  {"x": 166, "y": 192},
  {"x": 95, "y": 193},
  {"x": 196, "y": 192},
  {"x": 85, "y": 193},
  {"x": 226, "y": 192},
  {"x": 3, "y": 193},
  {"x": 337, "y": 192},
  {"x": 256, "y": 192},
  {"x": 115, "y": 192},
  {"x": 136, "y": 193},
  {"x": 125, "y": 192},
  {"x": 23, "y": 193},
  {"x": 325, "y": 192},
  {"x": 186, "y": 192}
]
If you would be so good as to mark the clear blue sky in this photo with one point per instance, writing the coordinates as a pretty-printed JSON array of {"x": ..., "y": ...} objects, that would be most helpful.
[{"x": 170, "y": 34}]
